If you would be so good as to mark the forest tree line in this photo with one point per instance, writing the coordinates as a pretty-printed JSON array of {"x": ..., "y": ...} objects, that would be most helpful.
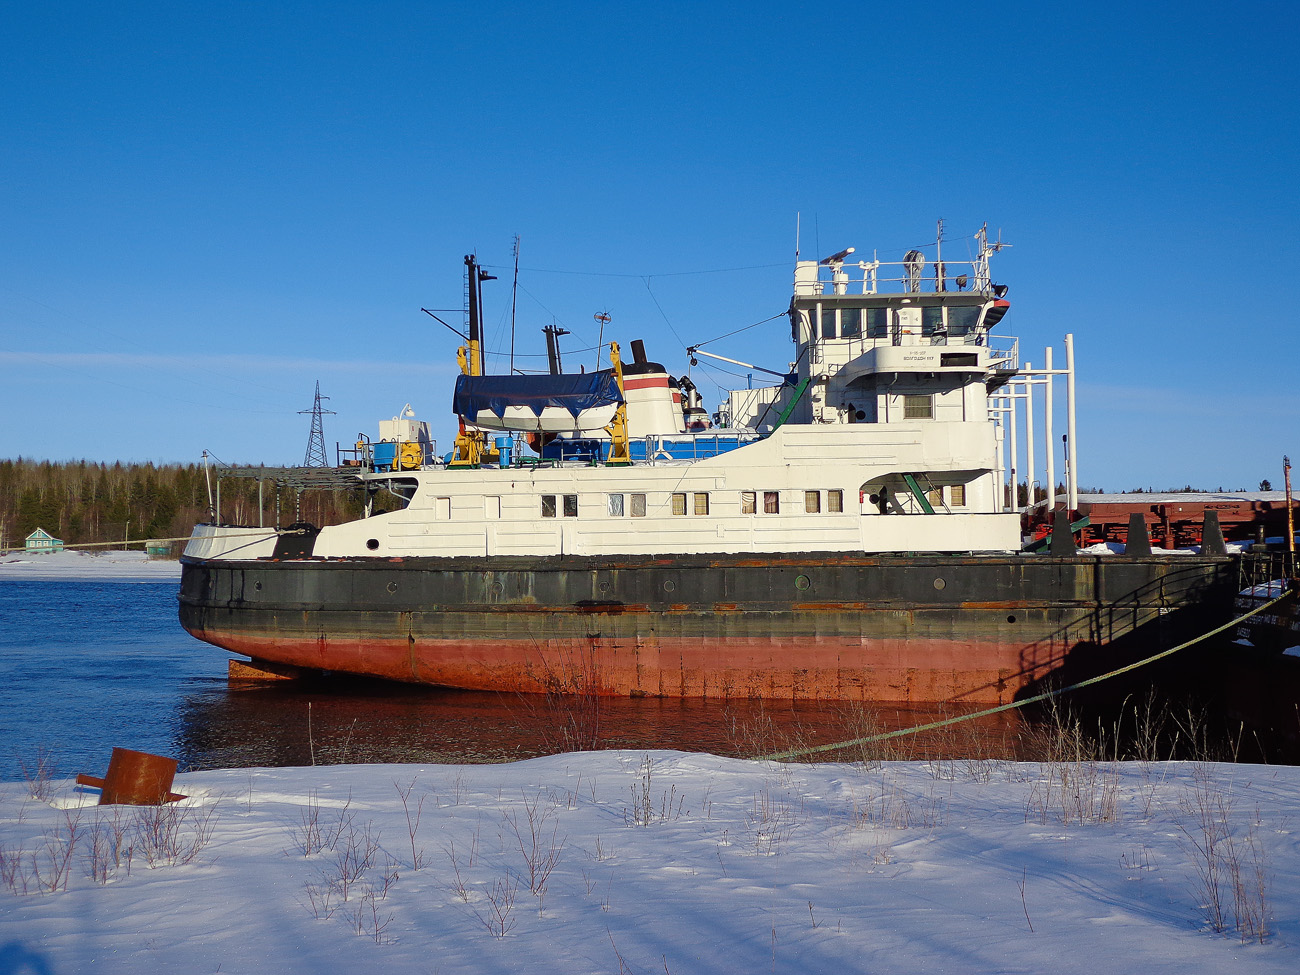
[{"x": 83, "y": 503}]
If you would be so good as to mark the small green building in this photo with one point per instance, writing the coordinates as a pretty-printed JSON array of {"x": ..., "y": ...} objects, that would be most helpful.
[{"x": 41, "y": 541}]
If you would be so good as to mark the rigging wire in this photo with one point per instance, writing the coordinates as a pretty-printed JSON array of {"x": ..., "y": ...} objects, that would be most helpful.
[
  {"x": 626, "y": 274},
  {"x": 780, "y": 314},
  {"x": 661, "y": 312}
]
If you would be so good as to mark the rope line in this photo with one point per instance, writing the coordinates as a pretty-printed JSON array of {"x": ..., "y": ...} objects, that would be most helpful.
[{"x": 945, "y": 722}]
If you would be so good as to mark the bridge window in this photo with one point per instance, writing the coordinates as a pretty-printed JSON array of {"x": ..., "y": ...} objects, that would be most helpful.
[
  {"x": 962, "y": 319},
  {"x": 570, "y": 506},
  {"x": 548, "y": 506},
  {"x": 931, "y": 318},
  {"x": 850, "y": 322},
  {"x": 877, "y": 322},
  {"x": 638, "y": 506},
  {"x": 616, "y": 505},
  {"x": 828, "y": 323}
]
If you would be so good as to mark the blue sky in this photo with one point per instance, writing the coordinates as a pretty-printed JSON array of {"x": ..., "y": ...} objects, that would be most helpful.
[{"x": 206, "y": 208}]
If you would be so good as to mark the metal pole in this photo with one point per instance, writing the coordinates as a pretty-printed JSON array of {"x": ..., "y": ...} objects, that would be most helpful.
[
  {"x": 1000, "y": 455},
  {"x": 207, "y": 477},
  {"x": 1048, "y": 434},
  {"x": 1290, "y": 515},
  {"x": 1073, "y": 468},
  {"x": 1029, "y": 432},
  {"x": 1015, "y": 448}
]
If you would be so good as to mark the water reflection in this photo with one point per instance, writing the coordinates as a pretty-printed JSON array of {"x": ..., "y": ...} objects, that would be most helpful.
[{"x": 349, "y": 721}]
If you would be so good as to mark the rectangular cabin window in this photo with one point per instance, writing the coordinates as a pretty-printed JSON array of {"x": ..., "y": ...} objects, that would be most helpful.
[
  {"x": 962, "y": 319},
  {"x": 931, "y": 319},
  {"x": 548, "y": 506},
  {"x": 570, "y": 506},
  {"x": 771, "y": 502},
  {"x": 958, "y": 495},
  {"x": 492, "y": 507},
  {"x": 679, "y": 504},
  {"x": 834, "y": 502},
  {"x": 850, "y": 322},
  {"x": 936, "y": 497},
  {"x": 747, "y": 504},
  {"x": 828, "y": 323},
  {"x": 877, "y": 322},
  {"x": 701, "y": 503},
  {"x": 918, "y": 406},
  {"x": 616, "y": 506},
  {"x": 638, "y": 506},
  {"x": 812, "y": 502},
  {"x": 442, "y": 508}
]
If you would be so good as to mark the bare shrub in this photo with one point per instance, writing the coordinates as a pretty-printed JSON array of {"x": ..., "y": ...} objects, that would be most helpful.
[
  {"x": 498, "y": 915},
  {"x": 39, "y": 775},
  {"x": 412, "y": 821},
  {"x": 569, "y": 711},
  {"x": 539, "y": 846},
  {"x": 646, "y": 809},
  {"x": 52, "y": 862},
  {"x": 772, "y": 819},
  {"x": 168, "y": 833},
  {"x": 312, "y": 835},
  {"x": 1231, "y": 875},
  {"x": 1077, "y": 784}
]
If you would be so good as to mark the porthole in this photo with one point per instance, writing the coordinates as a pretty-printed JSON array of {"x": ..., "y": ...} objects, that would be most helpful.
[
  {"x": 940, "y": 584},
  {"x": 496, "y": 589},
  {"x": 372, "y": 543},
  {"x": 392, "y": 587},
  {"x": 802, "y": 583},
  {"x": 603, "y": 587},
  {"x": 257, "y": 587},
  {"x": 669, "y": 585},
  {"x": 1011, "y": 618}
]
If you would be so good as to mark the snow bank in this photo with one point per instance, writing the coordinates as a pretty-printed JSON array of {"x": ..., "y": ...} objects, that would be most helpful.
[
  {"x": 661, "y": 862},
  {"x": 99, "y": 566}
]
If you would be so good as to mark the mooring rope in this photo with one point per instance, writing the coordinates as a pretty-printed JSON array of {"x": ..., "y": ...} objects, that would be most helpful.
[
  {"x": 265, "y": 532},
  {"x": 1046, "y": 695}
]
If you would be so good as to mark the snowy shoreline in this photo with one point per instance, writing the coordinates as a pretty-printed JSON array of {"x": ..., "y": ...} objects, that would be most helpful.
[
  {"x": 662, "y": 862},
  {"x": 87, "y": 566}
]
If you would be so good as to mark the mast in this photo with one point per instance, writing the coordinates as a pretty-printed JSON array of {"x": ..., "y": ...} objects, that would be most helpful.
[{"x": 514, "y": 294}]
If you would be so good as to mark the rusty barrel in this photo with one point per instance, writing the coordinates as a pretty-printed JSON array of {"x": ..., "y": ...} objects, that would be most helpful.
[{"x": 135, "y": 779}]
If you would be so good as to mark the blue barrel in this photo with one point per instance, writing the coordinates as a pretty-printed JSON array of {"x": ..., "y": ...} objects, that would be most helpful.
[
  {"x": 385, "y": 455},
  {"x": 504, "y": 445}
]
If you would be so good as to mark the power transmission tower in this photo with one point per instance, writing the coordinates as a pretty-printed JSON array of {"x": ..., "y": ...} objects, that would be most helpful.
[{"x": 316, "y": 441}]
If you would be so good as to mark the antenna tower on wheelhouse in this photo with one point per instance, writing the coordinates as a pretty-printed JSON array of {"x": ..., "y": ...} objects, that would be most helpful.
[{"x": 316, "y": 441}]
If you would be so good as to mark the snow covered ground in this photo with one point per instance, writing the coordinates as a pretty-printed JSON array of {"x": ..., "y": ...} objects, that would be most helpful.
[
  {"x": 663, "y": 862},
  {"x": 105, "y": 566}
]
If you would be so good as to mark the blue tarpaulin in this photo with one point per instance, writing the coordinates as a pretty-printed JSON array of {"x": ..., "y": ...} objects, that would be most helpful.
[{"x": 572, "y": 392}]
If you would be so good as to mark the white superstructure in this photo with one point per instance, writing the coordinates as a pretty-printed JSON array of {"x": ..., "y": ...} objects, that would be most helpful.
[{"x": 881, "y": 439}]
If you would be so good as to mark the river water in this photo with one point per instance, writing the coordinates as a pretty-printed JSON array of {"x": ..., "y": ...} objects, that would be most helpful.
[{"x": 86, "y": 666}]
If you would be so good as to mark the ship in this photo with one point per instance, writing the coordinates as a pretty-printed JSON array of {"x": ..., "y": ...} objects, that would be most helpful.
[{"x": 848, "y": 532}]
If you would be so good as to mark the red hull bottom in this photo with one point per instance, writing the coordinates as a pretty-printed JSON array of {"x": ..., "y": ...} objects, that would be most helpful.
[{"x": 885, "y": 670}]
